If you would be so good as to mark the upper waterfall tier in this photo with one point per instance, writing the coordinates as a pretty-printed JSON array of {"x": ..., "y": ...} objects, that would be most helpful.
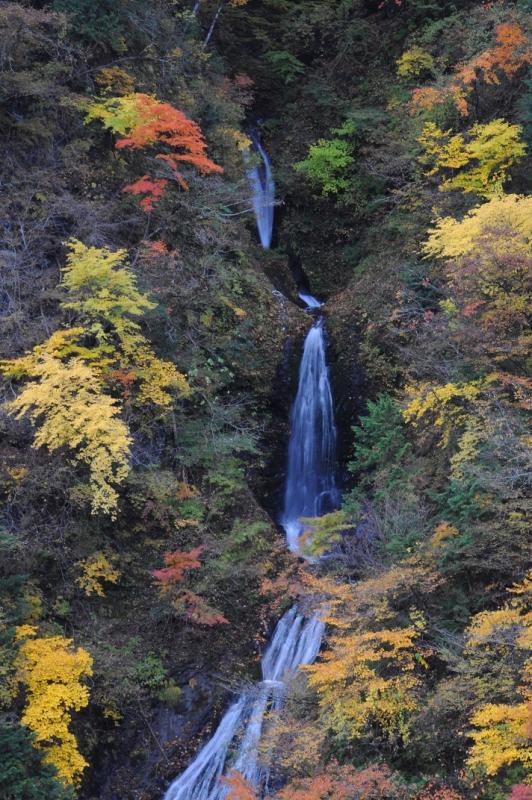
[{"x": 263, "y": 195}]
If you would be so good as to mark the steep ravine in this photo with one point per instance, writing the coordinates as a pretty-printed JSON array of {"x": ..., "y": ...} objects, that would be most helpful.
[{"x": 309, "y": 488}]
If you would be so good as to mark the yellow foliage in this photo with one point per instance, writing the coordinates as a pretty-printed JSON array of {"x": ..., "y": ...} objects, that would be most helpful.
[
  {"x": 513, "y": 618},
  {"x": 442, "y": 533},
  {"x": 102, "y": 290},
  {"x": 94, "y": 570},
  {"x": 489, "y": 152},
  {"x": 452, "y": 238},
  {"x": 66, "y": 395},
  {"x": 370, "y": 678},
  {"x": 468, "y": 445},
  {"x": 67, "y": 402},
  {"x": 158, "y": 377},
  {"x": 52, "y": 671},
  {"x": 242, "y": 142},
  {"x": 447, "y": 407},
  {"x": 60, "y": 344},
  {"x": 414, "y": 62},
  {"x": 502, "y": 731},
  {"x": 115, "y": 80},
  {"x": 501, "y": 738}
]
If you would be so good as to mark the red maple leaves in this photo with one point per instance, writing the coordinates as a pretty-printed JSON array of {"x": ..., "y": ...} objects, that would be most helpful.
[
  {"x": 177, "y": 563},
  {"x": 156, "y": 123}
]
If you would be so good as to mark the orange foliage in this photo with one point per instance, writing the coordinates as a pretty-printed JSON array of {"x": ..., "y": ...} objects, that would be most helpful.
[
  {"x": 177, "y": 563},
  {"x": 161, "y": 123},
  {"x": 509, "y": 54},
  {"x": 142, "y": 121},
  {"x": 238, "y": 787},
  {"x": 345, "y": 783},
  {"x": 125, "y": 379},
  {"x": 196, "y": 609},
  {"x": 187, "y": 603},
  {"x": 434, "y": 791},
  {"x": 153, "y": 189},
  {"x": 156, "y": 248}
]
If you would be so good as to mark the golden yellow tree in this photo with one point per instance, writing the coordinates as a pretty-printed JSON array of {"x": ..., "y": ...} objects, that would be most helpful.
[
  {"x": 501, "y": 734},
  {"x": 52, "y": 672},
  {"x": 69, "y": 376},
  {"x": 478, "y": 162},
  {"x": 67, "y": 403}
]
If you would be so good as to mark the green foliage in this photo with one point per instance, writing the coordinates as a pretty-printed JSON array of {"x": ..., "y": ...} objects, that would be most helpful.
[
  {"x": 151, "y": 674},
  {"x": 98, "y": 21},
  {"x": 380, "y": 446},
  {"x": 23, "y": 776},
  {"x": 327, "y": 165},
  {"x": 321, "y": 533},
  {"x": 285, "y": 65}
]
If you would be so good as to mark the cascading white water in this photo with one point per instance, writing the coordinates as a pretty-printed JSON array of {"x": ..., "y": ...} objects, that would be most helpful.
[
  {"x": 310, "y": 481},
  {"x": 309, "y": 300},
  {"x": 310, "y": 491},
  {"x": 295, "y": 641},
  {"x": 263, "y": 195}
]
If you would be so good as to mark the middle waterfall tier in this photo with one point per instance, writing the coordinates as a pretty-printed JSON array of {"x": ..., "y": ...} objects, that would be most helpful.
[{"x": 311, "y": 489}]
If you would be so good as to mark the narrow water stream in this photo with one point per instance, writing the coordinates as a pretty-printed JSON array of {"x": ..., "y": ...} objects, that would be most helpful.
[
  {"x": 310, "y": 490},
  {"x": 263, "y": 194}
]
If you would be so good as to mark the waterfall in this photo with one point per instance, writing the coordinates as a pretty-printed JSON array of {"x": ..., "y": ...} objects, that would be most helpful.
[
  {"x": 295, "y": 641},
  {"x": 309, "y": 300},
  {"x": 310, "y": 480},
  {"x": 310, "y": 491},
  {"x": 263, "y": 195}
]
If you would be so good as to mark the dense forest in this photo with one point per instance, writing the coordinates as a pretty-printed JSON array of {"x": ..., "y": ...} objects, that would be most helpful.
[{"x": 150, "y": 349}]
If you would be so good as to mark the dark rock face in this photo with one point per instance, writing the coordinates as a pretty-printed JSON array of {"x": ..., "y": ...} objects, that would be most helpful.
[{"x": 155, "y": 747}]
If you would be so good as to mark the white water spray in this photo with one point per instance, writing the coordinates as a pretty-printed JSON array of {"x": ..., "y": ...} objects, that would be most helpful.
[
  {"x": 309, "y": 300},
  {"x": 310, "y": 480},
  {"x": 263, "y": 195}
]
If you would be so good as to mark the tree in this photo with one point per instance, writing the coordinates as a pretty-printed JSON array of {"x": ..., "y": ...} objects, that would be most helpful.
[
  {"x": 327, "y": 164},
  {"x": 488, "y": 263},
  {"x": 52, "y": 673},
  {"x": 506, "y": 58},
  {"x": 23, "y": 775},
  {"x": 67, "y": 402},
  {"x": 177, "y": 563},
  {"x": 502, "y": 737},
  {"x": 187, "y": 603},
  {"x": 321, "y": 533},
  {"x": 70, "y": 374},
  {"x": 376, "y": 782},
  {"x": 142, "y": 121},
  {"x": 238, "y": 788},
  {"x": 414, "y": 62},
  {"x": 452, "y": 237},
  {"x": 478, "y": 164},
  {"x": 446, "y": 407},
  {"x": 95, "y": 570},
  {"x": 368, "y": 681},
  {"x": 380, "y": 446}
]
